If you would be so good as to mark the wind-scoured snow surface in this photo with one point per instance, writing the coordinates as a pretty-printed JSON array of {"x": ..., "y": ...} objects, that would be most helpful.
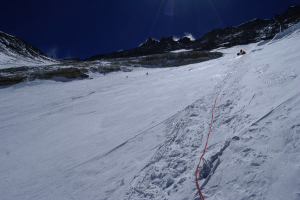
[
  {"x": 141, "y": 137},
  {"x": 13, "y": 60},
  {"x": 10, "y": 59}
]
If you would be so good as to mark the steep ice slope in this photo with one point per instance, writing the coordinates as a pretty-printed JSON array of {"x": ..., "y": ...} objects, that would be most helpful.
[
  {"x": 263, "y": 97},
  {"x": 254, "y": 148},
  {"x": 140, "y": 137}
]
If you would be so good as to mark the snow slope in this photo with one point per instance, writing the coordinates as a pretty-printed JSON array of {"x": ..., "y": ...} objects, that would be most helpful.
[
  {"x": 16, "y": 53},
  {"x": 10, "y": 59},
  {"x": 140, "y": 137}
]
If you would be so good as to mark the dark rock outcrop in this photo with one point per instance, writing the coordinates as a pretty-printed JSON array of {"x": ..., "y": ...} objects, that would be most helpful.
[
  {"x": 252, "y": 31},
  {"x": 22, "y": 74}
]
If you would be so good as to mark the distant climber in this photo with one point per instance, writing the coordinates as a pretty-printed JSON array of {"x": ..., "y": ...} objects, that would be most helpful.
[{"x": 241, "y": 52}]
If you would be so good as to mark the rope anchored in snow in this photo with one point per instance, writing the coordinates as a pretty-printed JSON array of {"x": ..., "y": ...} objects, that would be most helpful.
[{"x": 210, "y": 128}]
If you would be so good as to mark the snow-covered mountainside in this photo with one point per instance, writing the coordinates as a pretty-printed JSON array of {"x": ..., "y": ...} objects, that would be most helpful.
[
  {"x": 140, "y": 137},
  {"x": 15, "y": 52}
]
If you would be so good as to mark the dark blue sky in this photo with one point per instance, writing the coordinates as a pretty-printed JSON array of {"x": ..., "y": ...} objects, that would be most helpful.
[{"x": 74, "y": 28}]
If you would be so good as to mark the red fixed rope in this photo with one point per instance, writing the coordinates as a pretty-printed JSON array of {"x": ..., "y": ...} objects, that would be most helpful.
[{"x": 210, "y": 127}]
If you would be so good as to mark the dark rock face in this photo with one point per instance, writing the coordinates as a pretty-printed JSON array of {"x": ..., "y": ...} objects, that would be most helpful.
[
  {"x": 21, "y": 74},
  {"x": 12, "y": 44},
  {"x": 69, "y": 73},
  {"x": 252, "y": 31},
  {"x": 150, "y": 47}
]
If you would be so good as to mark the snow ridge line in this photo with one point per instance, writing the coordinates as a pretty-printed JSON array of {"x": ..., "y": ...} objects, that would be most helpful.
[{"x": 210, "y": 128}]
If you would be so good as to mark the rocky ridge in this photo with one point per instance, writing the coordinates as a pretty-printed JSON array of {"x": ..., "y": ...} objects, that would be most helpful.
[{"x": 249, "y": 32}]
